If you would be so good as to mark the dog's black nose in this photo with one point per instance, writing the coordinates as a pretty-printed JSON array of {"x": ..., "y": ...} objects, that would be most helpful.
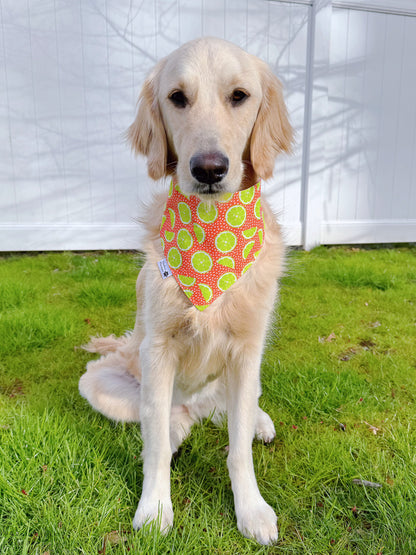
[{"x": 209, "y": 168}]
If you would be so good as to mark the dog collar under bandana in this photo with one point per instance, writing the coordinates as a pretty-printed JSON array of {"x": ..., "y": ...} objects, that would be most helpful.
[{"x": 210, "y": 245}]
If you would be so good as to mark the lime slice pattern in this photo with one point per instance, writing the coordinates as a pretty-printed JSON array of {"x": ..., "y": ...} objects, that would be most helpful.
[
  {"x": 226, "y": 197},
  {"x": 246, "y": 267},
  {"x": 226, "y": 281},
  {"x": 257, "y": 209},
  {"x": 174, "y": 258},
  {"x": 225, "y": 241},
  {"x": 206, "y": 291},
  {"x": 184, "y": 240},
  {"x": 207, "y": 213},
  {"x": 170, "y": 189},
  {"x": 247, "y": 249},
  {"x": 227, "y": 261},
  {"x": 186, "y": 280},
  {"x": 249, "y": 233},
  {"x": 188, "y": 293},
  {"x": 201, "y": 262},
  {"x": 169, "y": 235},
  {"x": 261, "y": 236},
  {"x": 184, "y": 213},
  {"x": 163, "y": 221},
  {"x": 199, "y": 233},
  {"x": 247, "y": 195},
  {"x": 172, "y": 218},
  {"x": 236, "y": 216}
]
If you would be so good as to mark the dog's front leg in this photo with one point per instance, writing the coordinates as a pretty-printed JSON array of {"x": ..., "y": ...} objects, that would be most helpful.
[
  {"x": 255, "y": 518},
  {"x": 158, "y": 369}
]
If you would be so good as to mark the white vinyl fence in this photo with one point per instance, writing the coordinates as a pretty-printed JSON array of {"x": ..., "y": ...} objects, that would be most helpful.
[{"x": 71, "y": 70}]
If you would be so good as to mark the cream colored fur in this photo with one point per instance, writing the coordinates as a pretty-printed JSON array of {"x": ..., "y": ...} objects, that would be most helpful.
[{"x": 179, "y": 364}]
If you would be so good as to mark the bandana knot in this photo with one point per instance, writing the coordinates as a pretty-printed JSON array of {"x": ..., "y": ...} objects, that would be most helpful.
[{"x": 210, "y": 245}]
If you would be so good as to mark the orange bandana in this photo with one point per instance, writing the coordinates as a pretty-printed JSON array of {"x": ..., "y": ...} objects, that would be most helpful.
[{"x": 208, "y": 246}]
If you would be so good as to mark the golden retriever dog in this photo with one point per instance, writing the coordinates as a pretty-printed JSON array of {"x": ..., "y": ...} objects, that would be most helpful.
[{"x": 213, "y": 118}]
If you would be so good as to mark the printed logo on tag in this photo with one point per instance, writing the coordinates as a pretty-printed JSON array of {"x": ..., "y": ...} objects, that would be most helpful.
[{"x": 164, "y": 269}]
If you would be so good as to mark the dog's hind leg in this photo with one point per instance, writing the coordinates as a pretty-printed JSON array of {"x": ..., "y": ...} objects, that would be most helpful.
[
  {"x": 111, "y": 389},
  {"x": 111, "y": 384},
  {"x": 264, "y": 429},
  {"x": 180, "y": 425}
]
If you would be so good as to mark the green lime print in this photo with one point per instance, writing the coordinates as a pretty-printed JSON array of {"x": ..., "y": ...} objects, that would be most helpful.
[
  {"x": 257, "y": 208},
  {"x": 226, "y": 197},
  {"x": 226, "y": 281},
  {"x": 172, "y": 218},
  {"x": 246, "y": 267},
  {"x": 249, "y": 233},
  {"x": 247, "y": 195},
  {"x": 170, "y": 189},
  {"x": 163, "y": 221},
  {"x": 169, "y": 235},
  {"x": 184, "y": 240},
  {"x": 184, "y": 213},
  {"x": 163, "y": 244},
  {"x": 199, "y": 233},
  {"x": 201, "y": 262},
  {"x": 206, "y": 291},
  {"x": 261, "y": 236},
  {"x": 174, "y": 258},
  {"x": 227, "y": 261},
  {"x": 225, "y": 241},
  {"x": 186, "y": 280},
  {"x": 188, "y": 293},
  {"x": 207, "y": 213},
  {"x": 247, "y": 249},
  {"x": 236, "y": 216}
]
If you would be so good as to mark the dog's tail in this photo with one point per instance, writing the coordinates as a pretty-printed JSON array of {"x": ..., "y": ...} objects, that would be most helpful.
[
  {"x": 111, "y": 384},
  {"x": 105, "y": 345}
]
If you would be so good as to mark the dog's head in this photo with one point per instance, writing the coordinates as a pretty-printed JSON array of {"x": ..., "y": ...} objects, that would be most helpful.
[{"x": 213, "y": 115}]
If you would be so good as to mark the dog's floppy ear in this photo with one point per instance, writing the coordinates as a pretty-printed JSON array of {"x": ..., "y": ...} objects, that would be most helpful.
[
  {"x": 272, "y": 132},
  {"x": 147, "y": 134}
]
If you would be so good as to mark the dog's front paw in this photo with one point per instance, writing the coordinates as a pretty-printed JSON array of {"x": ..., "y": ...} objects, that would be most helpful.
[
  {"x": 264, "y": 427},
  {"x": 258, "y": 522},
  {"x": 155, "y": 513}
]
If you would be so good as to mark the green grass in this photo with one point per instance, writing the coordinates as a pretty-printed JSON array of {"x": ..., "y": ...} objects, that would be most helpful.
[{"x": 340, "y": 365}]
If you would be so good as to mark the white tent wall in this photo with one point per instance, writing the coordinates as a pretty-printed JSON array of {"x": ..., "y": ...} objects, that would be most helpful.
[{"x": 70, "y": 73}]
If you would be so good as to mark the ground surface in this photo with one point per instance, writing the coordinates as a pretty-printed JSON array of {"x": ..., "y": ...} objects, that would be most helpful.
[{"x": 339, "y": 381}]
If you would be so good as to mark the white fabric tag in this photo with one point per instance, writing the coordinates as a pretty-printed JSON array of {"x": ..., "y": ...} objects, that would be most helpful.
[{"x": 164, "y": 269}]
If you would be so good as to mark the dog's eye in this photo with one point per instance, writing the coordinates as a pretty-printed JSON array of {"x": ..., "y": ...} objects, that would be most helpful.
[
  {"x": 178, "y": 98},
  {"x": 238, "y": 97}
]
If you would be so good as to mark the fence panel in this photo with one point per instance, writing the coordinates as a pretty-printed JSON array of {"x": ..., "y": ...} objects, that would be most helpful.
[
  {"x": 70, "y": 73},
  {"x": 370, "y": 192}
]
